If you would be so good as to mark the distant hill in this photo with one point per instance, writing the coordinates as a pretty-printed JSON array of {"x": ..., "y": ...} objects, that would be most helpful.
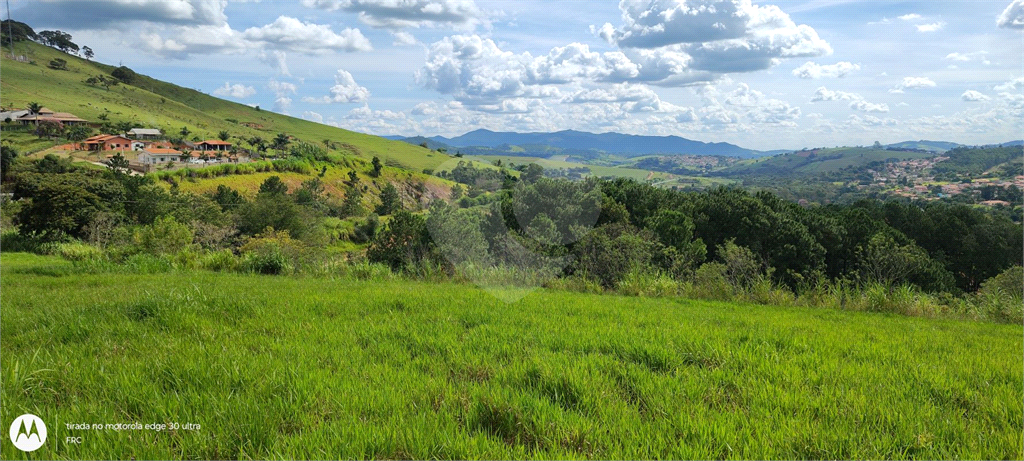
[
  {"x": 933, "y": 146},
  {"x": 815, "y": 161},
  {"x": 571, "y": 141}
]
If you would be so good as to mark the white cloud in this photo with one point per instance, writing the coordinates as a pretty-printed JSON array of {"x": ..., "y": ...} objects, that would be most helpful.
[
  {"x": 910, "y": 83},
  {"x": 424, "y": 108},
  {"x": 1016, "y": 84},
  {"x": 968, "y": 57},
  {"x": 824, "y": 94},
  {"x": 291, "y": 34},
  {"x": 729, "y": 36},
  {"x": 857, "y": 101},
  {"x": 281, "y": 91},
  {"x": 313, "y": 116},
  {"x": 345, "y": 90},
  {"x": 102, "y": 14},
  {"x": 837, "y": 70},
  {"x": 1013, "y": 16},
  {"x": 910, "y": 17},
  {"x": 931, "y": 27},
  {"x": 237, "y": 91},
  {"x": 973, "y": 96},
  {"x": 276, "y": 59},
  {"x": 403, "y": 39},
  {"x": 401, "y": 14},
  {"x": 865, "y": 106},
  {"x": 195, "y": 40}
]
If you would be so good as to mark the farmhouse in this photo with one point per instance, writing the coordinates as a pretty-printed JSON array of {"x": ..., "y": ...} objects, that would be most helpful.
[
  {"x": 145, "y": 133},
  {"x": 214, "y": 144},
  {"x": 46, "y": 114},
  {"x": 155, "y": 155},
  {"x": 12, "y": 115},
  {"x": 107, "y": 142}
]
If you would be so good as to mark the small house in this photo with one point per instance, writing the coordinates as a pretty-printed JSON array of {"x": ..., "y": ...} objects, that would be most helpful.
[
  {"x": 102, "y": 142},
  {"x": 145, "y": 133},
  {"x": 156, "y": 155},
  {"x": 214, "y": 144}
]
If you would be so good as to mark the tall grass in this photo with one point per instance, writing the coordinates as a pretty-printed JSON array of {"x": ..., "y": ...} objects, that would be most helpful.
[{"x": 300, "y": 367}]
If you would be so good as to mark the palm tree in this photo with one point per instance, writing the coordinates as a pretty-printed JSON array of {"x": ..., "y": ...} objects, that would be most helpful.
[
  {"x": 34, "y": 107},
  {"x": 223, "y": 135},
  {"x": 280, "y": 142}
]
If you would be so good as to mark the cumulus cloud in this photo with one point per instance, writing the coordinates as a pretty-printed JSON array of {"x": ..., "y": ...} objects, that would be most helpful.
[
  {"x": 824, "y": 94},
  {"x": 403, "y": 39},
  {"x": 313, "y": 116},
  {"x": 287, "y": 33},
  {"x": 974, "y": 96},
  {"x": 401, "y": 14},
  {"x": 195, "y": 40},
  {"x": 1013, "y": 16},
  {"x": 857, "y": 101},
  {"x": 345, "y": 90},
  {"x": 837, "y": 70},
  {"x": 102, "y": 14},
  {"x": 275, "y": 59},
  {"x": 721, "y": 37},
  {"x": 931, "y": 27},
  {"x": 910, "y": 17},
  {"x": 1016, "y": 84},
  {"x": 910, "y": 83},
  {"x": 968, "y": 57},
  {"x": 281, "y": 91},
  {"x": 237, "y": 91}
]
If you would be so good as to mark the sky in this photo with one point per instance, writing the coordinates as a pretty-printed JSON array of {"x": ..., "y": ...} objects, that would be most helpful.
[{"x": 762, "y": 75}]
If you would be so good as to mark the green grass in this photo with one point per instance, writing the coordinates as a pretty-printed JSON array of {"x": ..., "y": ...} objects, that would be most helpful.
[
  {"x": 294, "y": 367},
  {"x": 163, "y": 105},
  {"x": 823, "y": 160}
]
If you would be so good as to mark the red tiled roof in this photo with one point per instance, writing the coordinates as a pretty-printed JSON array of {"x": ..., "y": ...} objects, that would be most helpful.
[
  {"x": 216, "y": 142},
  {"x": 163, "y": 151}
]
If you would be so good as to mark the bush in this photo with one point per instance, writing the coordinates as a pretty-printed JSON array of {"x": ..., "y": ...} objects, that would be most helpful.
[
  {"x": 268, "y": 260},
  {"x": 709, "y": 282},
  {"x": 1001, "y": 298},
  {"x": 164, "y": 236},
  {"x": 219, "y": 261},
  {"x": 77, "y": 251},
  {"x": 643, "y": 283},
  {"x": 271, "y": 252}
]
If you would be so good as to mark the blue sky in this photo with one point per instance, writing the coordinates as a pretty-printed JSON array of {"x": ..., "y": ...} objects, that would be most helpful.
[{"x": 785, "y": 74}]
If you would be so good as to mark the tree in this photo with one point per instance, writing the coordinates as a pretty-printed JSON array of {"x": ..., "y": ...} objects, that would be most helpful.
[
  {"x": 353, "y": 204},
  {"x": 223, "y": 135},
  {"x": 353, "y": 177},
  {"x": 184, "y": 131},
  {"x": 59, "y": 40},
  {"x": 403, "y": 244},
  {"x": 532, "y": 172},
  {"x": 390, "y": 201},
  {"x": 7, "y": 156},
  {"x": 87, "y": 52},
  {"x": 34, "y": 107},
  {"x": 16, "y": 31},
  {"x": 280, "y": 142},
  {"x": 58, "y": 64},
  {"x": 124, "y": 127},
  {"x": 125, "y": 75},
  {"x": 257, "y": 143},
  {"x": 49, "y": 128},
  {"x": 377, "y": 166},
  {"x": 77, "y": 133},
  {"x": 273, "y": 186}
]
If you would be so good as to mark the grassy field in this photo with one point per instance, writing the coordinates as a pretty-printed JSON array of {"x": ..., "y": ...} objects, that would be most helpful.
[
  {"x": 821, "y": 160},
  {"x": 158, "y": 104},
  {"x": 291, "y": 367}
]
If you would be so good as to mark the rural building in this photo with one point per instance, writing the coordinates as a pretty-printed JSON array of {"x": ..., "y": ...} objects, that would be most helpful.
[
  {"x": 46, "y": 114},
  {"x": 156, "y": 155},
  {"x": 214, "y": 144},
  {"x": 139, "y": 145},
  {"x": 145, "y": 133},
  {"x": 107, "y": 142},
  {"x": 12, "y": 115}
]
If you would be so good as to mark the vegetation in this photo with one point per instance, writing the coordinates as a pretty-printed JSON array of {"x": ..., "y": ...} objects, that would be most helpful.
[{"x": 361, "y": 368}]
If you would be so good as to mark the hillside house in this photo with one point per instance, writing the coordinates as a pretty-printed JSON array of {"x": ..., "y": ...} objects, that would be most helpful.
[
  {"x": 12, "y": 115},
  {"x": 157, "y": 155},
  {"x": 139, "y": 145},
  {"x": 214, "y": 145},
  {"x": 145, "y": 133},
  {"x": 102, "y": 142},
  {"x": 65, "y": 118}
]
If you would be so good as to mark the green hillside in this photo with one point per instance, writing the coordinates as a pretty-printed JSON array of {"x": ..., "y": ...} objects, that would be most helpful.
[
  {"x": 818, "y": 161},
  {"x": 389, "y": 368},
  {"x": 157, "y": 104}
]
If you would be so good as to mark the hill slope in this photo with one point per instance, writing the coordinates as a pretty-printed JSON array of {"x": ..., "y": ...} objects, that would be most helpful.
[{"x": 157, "y": 104}]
